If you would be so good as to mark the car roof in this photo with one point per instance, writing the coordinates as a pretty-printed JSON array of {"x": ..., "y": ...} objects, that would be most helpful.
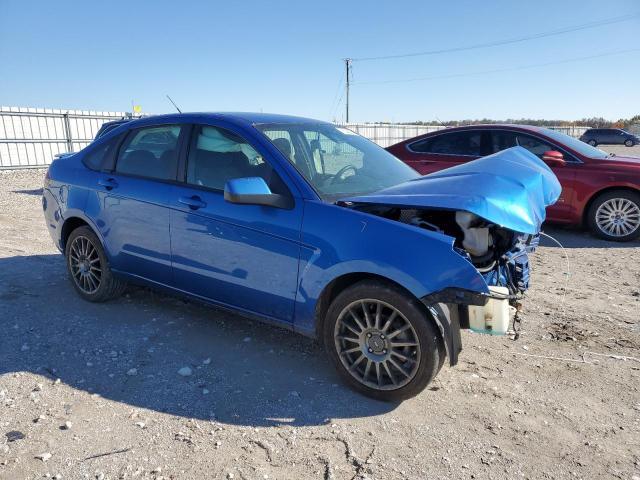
[
  {"x": 238, "y": 118},
  {"x": 531, "y": 128},
  {"x": 479, "y": 126}
]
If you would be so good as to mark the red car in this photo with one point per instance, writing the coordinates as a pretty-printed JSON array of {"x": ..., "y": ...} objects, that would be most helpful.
[{"x": 599, "y": 190}]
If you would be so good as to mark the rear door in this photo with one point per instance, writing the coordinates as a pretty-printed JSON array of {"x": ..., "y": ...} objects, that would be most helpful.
[
  {"x": 446, "y": 150},
  {"x": 244, "y": 256},
  {"x": 611, "y": 136},
  {"x": 133, "y": 202}
]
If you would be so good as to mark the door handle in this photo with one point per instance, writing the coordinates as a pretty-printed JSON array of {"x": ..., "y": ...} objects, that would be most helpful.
[
  {"x": 194, "y": 202},
  {"x": 108, "y": 183}
]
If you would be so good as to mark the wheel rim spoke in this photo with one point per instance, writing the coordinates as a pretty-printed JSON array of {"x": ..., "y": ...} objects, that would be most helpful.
[
  {"x": 378, "y": 315},
  {"x": 389, "y": 321},
  {"x": 357, "y": 320},
  {"x": 377, "y": 359},
  {"x": 367, "y": 315},
  {"x": 398, "y": 367},
  {"x": 386, "y": 367}
]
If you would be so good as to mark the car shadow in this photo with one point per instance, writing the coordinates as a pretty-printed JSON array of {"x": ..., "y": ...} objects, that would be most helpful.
[
  {"x": 570, "y": 237},
  {"x": 131, "y": 349},
  {"x": 35, "y": 191}
]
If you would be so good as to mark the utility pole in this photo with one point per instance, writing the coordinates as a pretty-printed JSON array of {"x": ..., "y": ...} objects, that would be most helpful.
[{"x": 347, "y": 65}]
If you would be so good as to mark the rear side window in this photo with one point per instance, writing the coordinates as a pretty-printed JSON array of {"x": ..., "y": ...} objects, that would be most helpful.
[
  {"x": 100, "y": 158},
  {"x": 454, "y": 143},
  {"x": 217, "y": 155},
  {"x": 501, "y": 140},
  {"x": 150, "y": 152}
]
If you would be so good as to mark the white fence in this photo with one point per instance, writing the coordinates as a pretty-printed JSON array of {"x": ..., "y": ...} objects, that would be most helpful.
[
  {"x": 385, "y": 134},
  {"x": 31, "y": 137}
]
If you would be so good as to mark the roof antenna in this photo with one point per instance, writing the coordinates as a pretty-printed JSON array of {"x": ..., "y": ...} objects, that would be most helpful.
[
  {"x": 441, "y": 122},
  {"x": 174, "y": 104}
]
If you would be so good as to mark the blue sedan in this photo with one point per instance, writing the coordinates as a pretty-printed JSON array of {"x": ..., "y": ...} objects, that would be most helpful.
[{"x": 305, "y": 225}]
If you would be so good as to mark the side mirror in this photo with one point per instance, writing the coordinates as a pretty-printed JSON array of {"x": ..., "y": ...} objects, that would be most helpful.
[
  {"x": 553, "y": 158},
  {"x": 254, "y": 191}
]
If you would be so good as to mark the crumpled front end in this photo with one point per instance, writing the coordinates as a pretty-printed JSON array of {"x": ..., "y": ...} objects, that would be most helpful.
[{"x": 493, "y": 208}]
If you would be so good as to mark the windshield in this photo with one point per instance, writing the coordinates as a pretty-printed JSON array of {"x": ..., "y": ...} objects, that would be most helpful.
[
  {"x": 575, "y": 144},
  {"x": 336, "y": 161}
]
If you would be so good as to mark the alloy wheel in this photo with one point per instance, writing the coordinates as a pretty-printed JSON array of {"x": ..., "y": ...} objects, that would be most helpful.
[
  {"x": 377, "y": 345},
  {"x": 84, "y": 262},
  {"x": 618, "y": 217}
]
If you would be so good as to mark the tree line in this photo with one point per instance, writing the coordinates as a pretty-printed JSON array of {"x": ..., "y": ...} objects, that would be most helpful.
[{"x": 594, "y": 122}]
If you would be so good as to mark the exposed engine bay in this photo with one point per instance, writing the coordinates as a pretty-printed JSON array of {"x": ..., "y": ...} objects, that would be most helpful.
[{"x": 499, "y": 254}]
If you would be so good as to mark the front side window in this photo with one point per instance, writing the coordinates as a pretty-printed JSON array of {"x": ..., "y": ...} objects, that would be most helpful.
[
  {"x": 454, "y": 143},
  {"x": 217, "y": 155},
  {"x": 150, "y": 152},
  {"x": 534, "y": 145},
  {"x": 501, "y": 140},
  {"x": 336, "y": 161}
]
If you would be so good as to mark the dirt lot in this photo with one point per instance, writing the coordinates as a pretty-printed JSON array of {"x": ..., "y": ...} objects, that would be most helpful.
[{"x": 93, "y": 390}]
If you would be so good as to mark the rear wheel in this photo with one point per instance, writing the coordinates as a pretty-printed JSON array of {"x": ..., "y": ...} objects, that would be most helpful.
[
  {"x": 88, "y": 267},
  {"x": 628, "y": 143},
  {"x": 593, "y": 143},
  {"x": 382, "y": 341},
  {"x": 615, "y": 216}
]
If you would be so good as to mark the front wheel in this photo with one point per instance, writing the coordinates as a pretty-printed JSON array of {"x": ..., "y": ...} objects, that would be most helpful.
[
  {"x": 382, "y": 341},
  {"x": 628, "y": 143},
  {"x": 615, "y": 216},
  {"x": 593, "y": 143},
  {"x": 88, "y": 267}
]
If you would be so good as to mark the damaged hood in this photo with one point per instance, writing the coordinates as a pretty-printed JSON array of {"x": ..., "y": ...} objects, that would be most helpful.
[{"x": 510, "y": 188}]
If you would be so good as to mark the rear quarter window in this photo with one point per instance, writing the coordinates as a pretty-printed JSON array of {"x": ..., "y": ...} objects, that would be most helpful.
[{"x": 101, "y": 157}]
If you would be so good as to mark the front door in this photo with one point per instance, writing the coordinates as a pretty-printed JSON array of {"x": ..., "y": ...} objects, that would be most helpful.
[
  {"x": 562, "y": 209},
  {"x": 244, "y": 256}
]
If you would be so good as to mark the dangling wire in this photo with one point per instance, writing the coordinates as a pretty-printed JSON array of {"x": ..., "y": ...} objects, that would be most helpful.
[{"x": 567, "y": 275}]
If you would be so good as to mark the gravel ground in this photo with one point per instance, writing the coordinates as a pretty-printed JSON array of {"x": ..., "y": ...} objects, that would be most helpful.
[{"x": 94, "y": 391}]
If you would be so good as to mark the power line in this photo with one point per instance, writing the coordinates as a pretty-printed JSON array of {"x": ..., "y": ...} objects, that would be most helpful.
[
  {"x": 335, "y": 103},
  {"x": 560, "y": 31},
  {"x": 499, "y": 70}
]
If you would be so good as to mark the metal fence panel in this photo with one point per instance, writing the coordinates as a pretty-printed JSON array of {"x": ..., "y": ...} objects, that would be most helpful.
[
  {"x": 31, "y": 137},
  {"x": 386, "y": 134}
]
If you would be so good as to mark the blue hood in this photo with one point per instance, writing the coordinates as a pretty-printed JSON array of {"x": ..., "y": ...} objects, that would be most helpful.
[{"x": 510, "y": 188}]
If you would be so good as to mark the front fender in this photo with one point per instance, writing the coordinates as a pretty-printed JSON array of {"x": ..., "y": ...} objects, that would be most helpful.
[{"x": 339, "y": 241}]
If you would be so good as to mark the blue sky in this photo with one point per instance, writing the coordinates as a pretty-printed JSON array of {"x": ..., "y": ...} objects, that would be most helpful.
[{"x": 285, "y": 57}]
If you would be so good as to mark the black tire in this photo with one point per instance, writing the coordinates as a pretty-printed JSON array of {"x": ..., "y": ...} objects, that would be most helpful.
[
  {"x": 628, "y": 143},
  {"x": 428, "y": 349},
  {"x": 593, "y": 143},
  {"x": 96, "y": 282},
  {"x": 600, "y": 201}
]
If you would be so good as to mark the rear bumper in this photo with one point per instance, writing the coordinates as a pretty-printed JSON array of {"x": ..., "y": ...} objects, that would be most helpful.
[{"x": 53, "y": 217}]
